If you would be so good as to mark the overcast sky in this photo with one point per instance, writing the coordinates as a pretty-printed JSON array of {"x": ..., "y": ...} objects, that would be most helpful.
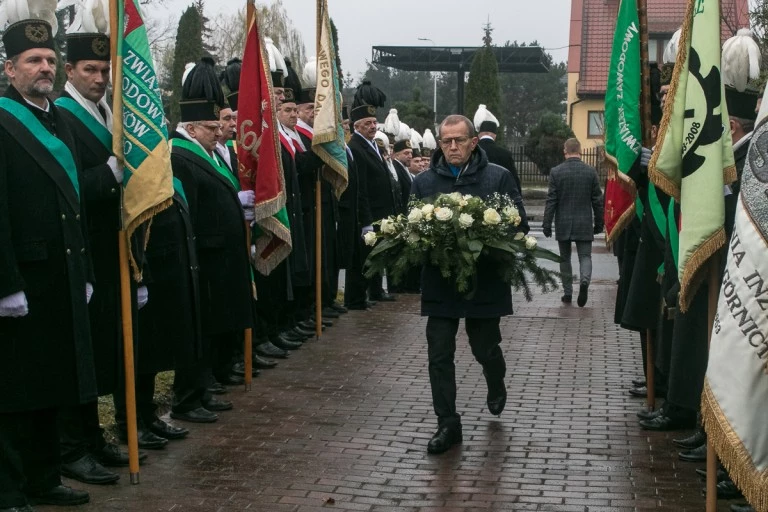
[{"x": 363, "y": 24}]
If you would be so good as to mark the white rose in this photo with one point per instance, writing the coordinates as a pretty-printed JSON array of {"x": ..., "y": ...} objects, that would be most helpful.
[
  {"x": 466, "y": 220},
  {"x": 517, "y": 220},
  {"x": 510, "y": 212},
  {"x": 530, "y": 243},
  {"x": 443, "y": 214},
  {"x": 491, "y": 217},
  {"x": 467, "y": 197},
  {"x": 370, "y": 238},
  {"x": 463, "y": 203},
  {"x": 413, "y": 238},
  {"x": 415, "y": 216},
  {"x": 455, "y": 196},
  {"x": 519, "y": 235},
  {"x": 387, "y": 226},
  {"x": 427, "y": 210}
]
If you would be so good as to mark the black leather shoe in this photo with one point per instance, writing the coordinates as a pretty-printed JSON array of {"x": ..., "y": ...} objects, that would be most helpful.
[
  {"x": 583, "y": 292},
  {"x": 742, "y": 507},
  {"x": 664, "y": 423},
  {"x": 727, "y": 490},
  {"x": 639, "y": 392},
  {"x": 239, "y": 369},
  {"x": 566, "y": 299},
  {"x": 112, "y": 456},
  {"x": 329, "y": 312},
  {"x": 698, "y": 454},
  {"x": 199, "y": 415},
  {"x": 444, "y": 438},
  {"x": 721, "y": 474},
  {"x": 698, "y": 438},
  {"x": 638, "y": 383},
  {"x": 216, "y": 405},
  {"x": 304, "y": 333},
  {"x": 293, "y": 336},
  {"x": 496, "y": 403},
  {"x": 147, "y": 439},
  {"x": 384, "y": 297},
  {"x": 267, "y": 349},
  {"x": 168, "y": 431},
  {"x": 217, "y": 388},
  {"x": 23, "y": 508},
  {"x": 260, "y": 362},
  {"x": 370, "y": 303},
  {"x": 87, "y": 470},
  {"x": 645, "y": 414},
  {"x": 339, "y": 308},
  {"x": 358, "y": 307},
  {"x": 284, "y": 344},
  {"x": 325, "y": 322},
  {"x": 60, "y": 495},
  {"x": 233, "y": 380},
  {"x": 309, "y": 325}
]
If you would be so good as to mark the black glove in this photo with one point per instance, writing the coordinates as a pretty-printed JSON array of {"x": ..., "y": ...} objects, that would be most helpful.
[
  {"x": 547, "y": 231},
  {"x": 597, "y": 230}
]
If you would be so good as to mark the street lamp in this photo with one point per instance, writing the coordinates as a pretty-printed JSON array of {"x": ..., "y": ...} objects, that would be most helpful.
[{"x": 434, "y": 95}]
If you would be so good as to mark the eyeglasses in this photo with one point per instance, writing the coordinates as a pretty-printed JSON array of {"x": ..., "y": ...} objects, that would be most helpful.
[
  {"x": 212, "y": 127},
  {"x": 460, "y": 141}
]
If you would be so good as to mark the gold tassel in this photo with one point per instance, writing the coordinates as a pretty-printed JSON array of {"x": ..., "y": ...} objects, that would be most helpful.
[{"x": 692, "y": 276}]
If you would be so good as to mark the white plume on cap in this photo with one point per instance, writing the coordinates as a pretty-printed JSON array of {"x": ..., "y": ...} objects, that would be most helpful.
[
  {"x": 741, "y": 60},
  {"x": 416, "y": 139},
  {"x": 429, "y": 140},
  {"x": 90, "y": 16},
  {"x": 187, "y": 68},
  {"x": 670, "y": 51},
  {"x": 482, "y": 115},
  {"x": 392, "y": 122},
  {"x": 276, "y": 59},
  {"x": 14, "y": 11},
  {"x": 309, "y": 75},
  {"x": 383, "y": 137},
  {"x": 404, "y": 133}
]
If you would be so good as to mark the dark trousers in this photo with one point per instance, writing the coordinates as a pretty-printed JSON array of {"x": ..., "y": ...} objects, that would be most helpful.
[
  {"x": 189, "y": 388},
  {"x": 79, "y": 431},
  {"x": 29, "y": 455},
  {"x": 484, "y": 338},
  {"x": 145, "y": 405}
]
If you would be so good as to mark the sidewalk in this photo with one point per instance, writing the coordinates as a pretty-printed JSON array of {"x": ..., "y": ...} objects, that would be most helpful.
[{"x": 343, "y": 425}]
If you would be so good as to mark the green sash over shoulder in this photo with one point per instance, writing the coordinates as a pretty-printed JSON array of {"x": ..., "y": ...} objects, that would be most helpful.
[
  {"x": 58, "y": 150},
  {"x": 179, "y": 188},
  {"x": 95, "y": 127},
  {"x": 215, "y": 163}
]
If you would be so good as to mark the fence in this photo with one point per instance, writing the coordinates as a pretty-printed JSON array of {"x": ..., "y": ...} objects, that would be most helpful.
[{"x": 532, "y": 173}]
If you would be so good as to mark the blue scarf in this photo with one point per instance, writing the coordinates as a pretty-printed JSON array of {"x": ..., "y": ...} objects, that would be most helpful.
[{"x": 454, "y": 170}]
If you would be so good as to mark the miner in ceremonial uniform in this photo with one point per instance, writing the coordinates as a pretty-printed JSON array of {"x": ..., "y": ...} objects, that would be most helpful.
[
  {"x": 84, "y": 451},
  {"x": 487, "y": 127},
  {"x": 225, "y": 145},
  {"x": 216, "y": 207},
  {"x": 45, "y": 275}
]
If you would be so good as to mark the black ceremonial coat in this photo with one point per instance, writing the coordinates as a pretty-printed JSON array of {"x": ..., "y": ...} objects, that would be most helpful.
[
  {"x": 500, "y": 155},
  {"x": 379, "y": 194},
  {"x": 47, "y": 358},
  {"x": 219, "y": 224},
  {"x": 169, "y": 324},
  {"x": 102, "y": 202},
  {"x": 350, "y": 228}
]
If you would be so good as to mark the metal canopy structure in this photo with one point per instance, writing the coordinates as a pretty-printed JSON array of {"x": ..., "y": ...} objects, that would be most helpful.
[{"x": 458, "y": 59}]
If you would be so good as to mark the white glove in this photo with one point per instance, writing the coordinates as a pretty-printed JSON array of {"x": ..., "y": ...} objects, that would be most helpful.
[
  {"x": 645, "y": 157},
  {"x": 249, "y": 214},
  {"x": 88, "y": 292},
  {"x": 142, "y": 296},
  {"x": 247, "y": 198},
  {"x": 366, "y": 229},
  {"x": 14, "y": 305},
  {"x": 116, "y": 171},
  {"x": 253, "y": 253}
]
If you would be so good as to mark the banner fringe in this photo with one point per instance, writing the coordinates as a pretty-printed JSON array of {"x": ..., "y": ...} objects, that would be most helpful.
[
  {"x": 145, "y": 216},
  {"x": 692, "y": 276},
  {"x": 732, "y": 452}
]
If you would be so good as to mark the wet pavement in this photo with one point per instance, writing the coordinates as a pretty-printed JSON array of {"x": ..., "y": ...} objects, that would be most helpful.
[{"x": 343, "y": 425}]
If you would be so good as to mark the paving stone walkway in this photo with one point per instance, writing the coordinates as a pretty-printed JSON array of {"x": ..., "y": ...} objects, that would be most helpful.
[{"x": 344, "y": 423}]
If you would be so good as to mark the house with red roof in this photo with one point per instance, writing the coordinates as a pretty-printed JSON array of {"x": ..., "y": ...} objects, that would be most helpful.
[{"x": 589, "y": 55}]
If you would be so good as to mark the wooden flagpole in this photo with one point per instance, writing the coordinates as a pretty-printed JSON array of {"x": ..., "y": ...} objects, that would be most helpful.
[
  {"x": 713, "y": 283},
  {"x": 126, "y": 313},
  {"x": 318, "y": 214},
  {"x": 250, "y": 17},
  {"x": 645, "y": 117}
]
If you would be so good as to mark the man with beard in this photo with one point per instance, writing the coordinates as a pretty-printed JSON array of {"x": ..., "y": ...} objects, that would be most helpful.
[{"x": 45, "y": 275}]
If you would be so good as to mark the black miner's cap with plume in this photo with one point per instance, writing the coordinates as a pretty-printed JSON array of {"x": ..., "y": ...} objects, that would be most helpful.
[
  {"x": 201, "y": 94},
  {"x": 230, "y": 78},
  {"x": 292, "y": 84},
  {"x": 368, "y": 94}
]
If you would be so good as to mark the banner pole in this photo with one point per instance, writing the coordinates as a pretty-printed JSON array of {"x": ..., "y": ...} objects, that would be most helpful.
[
  {"x": 318, "y": 214},
  {"x": 126, "y": 313},
  {"x": 713, "y": 291}
]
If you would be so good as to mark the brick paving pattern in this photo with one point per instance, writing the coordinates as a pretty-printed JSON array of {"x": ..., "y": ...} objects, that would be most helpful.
[{"x": 344, "y": 423}]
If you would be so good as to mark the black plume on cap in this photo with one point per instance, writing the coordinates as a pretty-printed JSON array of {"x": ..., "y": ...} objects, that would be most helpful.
[
  {"x": 203, "y": 84},
  {"x": 368, "y": 94},
  {"x": 230, "y": 77},
  {"x": 292, "y": 84}
]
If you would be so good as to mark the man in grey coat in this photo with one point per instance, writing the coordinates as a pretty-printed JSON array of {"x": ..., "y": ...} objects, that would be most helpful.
[{"x": 575, "y": 202}]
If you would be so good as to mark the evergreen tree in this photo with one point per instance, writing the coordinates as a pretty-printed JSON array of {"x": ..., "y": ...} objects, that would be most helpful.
[
  {"x": 483, "y": 86},
  {"x": 544, "y": 146},
  {"x": 189, "y": 48},
  {"x": 415, "y": 113}
]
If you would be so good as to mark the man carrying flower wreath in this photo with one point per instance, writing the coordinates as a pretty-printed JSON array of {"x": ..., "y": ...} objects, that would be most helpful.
[{"x": 459, "y": 165}]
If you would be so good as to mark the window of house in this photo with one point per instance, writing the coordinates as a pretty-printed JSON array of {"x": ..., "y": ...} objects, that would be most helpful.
[{"x": 596, "y": 125}]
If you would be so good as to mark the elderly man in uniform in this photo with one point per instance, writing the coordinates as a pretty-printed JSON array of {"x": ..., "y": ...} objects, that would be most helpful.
[
  {"x": 45, "y": 276},
  {"x": 459, "y": 166}
]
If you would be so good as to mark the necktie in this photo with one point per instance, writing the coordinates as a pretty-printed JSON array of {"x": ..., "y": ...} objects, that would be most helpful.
[{"x": 102, "y": 111}]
